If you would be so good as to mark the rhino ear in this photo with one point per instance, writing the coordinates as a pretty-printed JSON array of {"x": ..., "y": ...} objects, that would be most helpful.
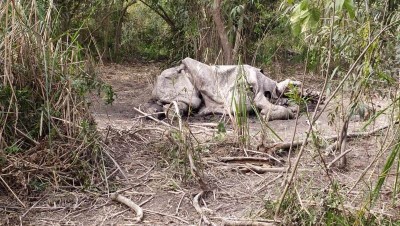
[{"x": 181, "y": 68}]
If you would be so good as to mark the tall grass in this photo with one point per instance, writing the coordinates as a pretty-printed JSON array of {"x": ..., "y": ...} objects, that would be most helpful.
[
  {"x": 47, "y": 135},
  {"x": 240, "y": 100}
]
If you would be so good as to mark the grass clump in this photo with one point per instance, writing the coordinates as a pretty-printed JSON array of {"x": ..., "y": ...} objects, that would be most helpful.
[{"x": 47, "y": 135}]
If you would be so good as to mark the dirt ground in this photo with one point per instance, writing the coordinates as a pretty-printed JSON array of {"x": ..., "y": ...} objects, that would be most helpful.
[{"x": 155, "y": 180}]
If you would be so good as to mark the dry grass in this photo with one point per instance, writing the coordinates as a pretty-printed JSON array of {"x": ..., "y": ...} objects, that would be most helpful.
[{"x": 47, "y": 135}]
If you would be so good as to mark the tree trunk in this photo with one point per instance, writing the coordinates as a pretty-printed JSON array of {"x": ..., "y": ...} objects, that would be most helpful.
[
  {"x": 223, "y": 36},
  {"x": 118, "y": 29},
  {"x": 238, "y": 36},
  {"x": 342, "y": 143},
  {"x": 159, "y": 10}
]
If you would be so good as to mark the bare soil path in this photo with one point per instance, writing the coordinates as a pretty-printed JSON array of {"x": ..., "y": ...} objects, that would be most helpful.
[{"x": 157, "y": 180}]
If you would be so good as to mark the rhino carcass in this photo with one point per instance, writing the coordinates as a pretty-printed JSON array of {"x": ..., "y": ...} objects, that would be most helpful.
[{"x": 213, "y": 89}]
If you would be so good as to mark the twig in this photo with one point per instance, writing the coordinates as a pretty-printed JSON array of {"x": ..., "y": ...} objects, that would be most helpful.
[
  {"x": 154, "y": 119},
  {"x": 244, "y": 159},
  {"x": 148, "y": 171},
  {"x": 339, "y": 157},
  {"x": 27, "y": 136},
  {"x": 105, "y": 172},
  {"x": 258, "y": 169},
  {"x": 118, "y": 213},
  {"x": 146, "y": 201},
  {"x": 8, "y": 187},
  {"x": 167, "y": 215},
  {"x": 209, "y": 124},
  {"x": 179, "y": 204},
  {"x": 244, "y": 168},
  {"x": 115, "y": 162},
  {"x": 199, "y": 209},
  {"x": 147, "y": 115},
  {"x": 30, "y": 208},
  {"x": 286, "y": 145},
  {"x": 301, "y": 201},
  {"x": 130, "y": 204},
  {"x": 38, "y": 208},
  {"x": 246, "y": 223},
  {"x": 140, "y": 193},
  {"x": 108, "y": 133},
  {"x": 203, "y": 128},
  {"x": 269, "y": 182}
]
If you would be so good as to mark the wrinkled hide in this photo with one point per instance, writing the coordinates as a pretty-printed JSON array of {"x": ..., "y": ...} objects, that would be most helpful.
[{"x": 213, "y": 89}]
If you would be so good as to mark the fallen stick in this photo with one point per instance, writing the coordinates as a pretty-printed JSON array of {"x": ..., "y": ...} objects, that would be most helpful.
[
  {"x": 269, "y": 182},
  {"x": 114, "y": 161},
  {"x": 167, "y": 215},
  {"x": 139, "y": 211},
  {"x": 154, "y": 119},
  {"x": 339, "y": 157},
  {"x": 258, "y": 169},
  {"x": 286, "y": 145},
  {"x": 12, "y": 192},
  {"x": 244, "y": 168},
  {"x": 246, "y": 223},
  {"x": 200, "y": 210},
  {"x": 210, "y": 124},
  {"x": 147, "y": 115},
  {"x": 245, "y": 159}
]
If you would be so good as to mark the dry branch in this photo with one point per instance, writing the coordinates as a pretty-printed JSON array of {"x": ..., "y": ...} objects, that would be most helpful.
[
  {"x": 15, "y": 195},
  {"x": 200, "y": 210},
  {"x": 244, "y": 159},
  {"x": 272, "y": 147},
  {"x": 259, "y": 169},
  {"x": 167, "y": 215},
  {"x": 114, "y": 161},
  {"x": 245, "y": 168},
  {"x": 339, "y": 157},
  {"x": 154, "y": 119},
  {"x": 246, "y": 223},
  {"x": 139, "y": 211}
]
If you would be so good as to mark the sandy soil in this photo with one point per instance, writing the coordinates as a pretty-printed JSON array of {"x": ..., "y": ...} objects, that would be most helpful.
[{"x": 165, "y": 190}]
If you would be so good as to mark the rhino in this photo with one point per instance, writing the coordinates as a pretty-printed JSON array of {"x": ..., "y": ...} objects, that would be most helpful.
[{"x": 214, "y": 89}]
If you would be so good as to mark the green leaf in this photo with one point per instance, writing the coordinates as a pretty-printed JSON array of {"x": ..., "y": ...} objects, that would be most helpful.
[
  {"x": 304, "y": 18},
  {"x": 315, "y": 15},
  {"x": 296, "y": 29},
  {"x": 386, "y": 168},
  {"x": 339, "y": 5},
  {"x": 221, "y": 127},
  {"x": 349, "y": 6},
  {"x": 304, "y": 5}
]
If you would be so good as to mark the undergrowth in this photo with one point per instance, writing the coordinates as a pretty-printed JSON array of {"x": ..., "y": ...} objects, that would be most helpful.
[{"x": 47, "y": 135}]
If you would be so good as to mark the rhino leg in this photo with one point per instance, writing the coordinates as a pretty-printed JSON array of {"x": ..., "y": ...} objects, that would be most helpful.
[
  {"x": 170, "y": 109},
  {"x": 277, "y": 113}
]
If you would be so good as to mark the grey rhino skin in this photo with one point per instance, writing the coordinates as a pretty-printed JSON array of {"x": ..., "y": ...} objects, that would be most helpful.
[{"x": 213, "y": 89}]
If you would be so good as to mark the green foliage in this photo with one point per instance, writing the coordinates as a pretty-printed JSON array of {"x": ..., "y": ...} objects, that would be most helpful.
[
  {"x": 390, "y": 163},
  {"x": 221, "y": 133},
  {"x": 240, "y": 99},
  {"x": 304, "y": 17},
  {"x": 359, "y": 52},
  {"x": 13, "y": 149},
  {"x": 348, "y": 5},
  {"x": 38, "y": 185},
  {"x": 145, "y": 34},
  {"x": 329, "y": 211},
  {"x": 184, "y": 153}
]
